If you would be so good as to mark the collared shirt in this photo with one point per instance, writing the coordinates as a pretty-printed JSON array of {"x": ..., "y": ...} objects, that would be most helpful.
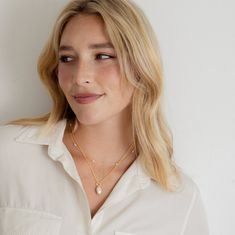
[{"x": 41, "y": 193}]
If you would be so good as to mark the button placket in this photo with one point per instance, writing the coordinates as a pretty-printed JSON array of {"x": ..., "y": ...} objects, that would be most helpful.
[{"x": 96, "y": 222}]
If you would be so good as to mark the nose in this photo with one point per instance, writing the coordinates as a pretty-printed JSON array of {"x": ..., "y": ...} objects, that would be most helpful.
[{"x": 82, "y": 73}]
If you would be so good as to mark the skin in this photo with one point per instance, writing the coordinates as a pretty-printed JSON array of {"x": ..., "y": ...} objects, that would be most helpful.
[
  {"x": 98, "y": 66},
  {"x": 104, "y": 131}
]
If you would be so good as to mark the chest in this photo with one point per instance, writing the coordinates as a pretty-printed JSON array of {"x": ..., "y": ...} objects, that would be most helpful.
[
  {"x": 89, "y": 182},
  {"x": 96, "y": 174}
]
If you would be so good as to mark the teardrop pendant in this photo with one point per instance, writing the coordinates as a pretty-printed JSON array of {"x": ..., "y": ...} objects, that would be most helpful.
[{"x": 98, "y": 189}]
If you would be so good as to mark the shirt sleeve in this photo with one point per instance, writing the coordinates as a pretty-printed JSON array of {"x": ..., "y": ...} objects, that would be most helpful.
[{"x": 196, "y": 219}]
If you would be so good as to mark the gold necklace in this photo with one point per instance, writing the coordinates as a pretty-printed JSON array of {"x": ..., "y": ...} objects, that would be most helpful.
[{"x": 98, "y": 183}]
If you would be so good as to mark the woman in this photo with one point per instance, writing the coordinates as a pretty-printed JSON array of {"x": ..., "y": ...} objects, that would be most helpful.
[{"x": 101, "y": 161}]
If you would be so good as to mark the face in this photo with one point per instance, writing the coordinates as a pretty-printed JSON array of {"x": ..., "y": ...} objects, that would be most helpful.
[{"x": 88, "y": 73}]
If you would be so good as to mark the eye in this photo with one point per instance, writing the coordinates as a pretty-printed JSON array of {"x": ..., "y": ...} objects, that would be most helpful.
[
  {"x": 65, "y": 59},
  {"x": 103, "y": 57}
]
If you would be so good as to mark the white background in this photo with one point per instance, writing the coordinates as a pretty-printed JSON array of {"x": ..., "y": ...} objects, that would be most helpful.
[{"x": 197, "y": 41}]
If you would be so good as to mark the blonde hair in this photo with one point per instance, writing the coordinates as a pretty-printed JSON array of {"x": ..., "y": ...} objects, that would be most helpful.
[{"x": 140, "y": 63}]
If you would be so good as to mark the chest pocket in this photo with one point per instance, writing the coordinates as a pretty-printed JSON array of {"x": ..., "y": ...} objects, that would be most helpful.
[{"x": 31, "y": 222}]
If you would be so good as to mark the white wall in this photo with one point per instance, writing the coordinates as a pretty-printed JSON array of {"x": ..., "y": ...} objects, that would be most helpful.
[{"x": 197, "y": 40}]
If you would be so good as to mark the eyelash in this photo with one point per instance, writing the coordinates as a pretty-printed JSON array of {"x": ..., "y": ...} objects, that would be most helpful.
[
  {"x": 64, "y": 58},
  {"x": 109, "y": 56}
]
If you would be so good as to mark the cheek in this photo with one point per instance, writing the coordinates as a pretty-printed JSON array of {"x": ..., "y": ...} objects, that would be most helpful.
[
  {"x": 110, "y": 77},
  {"x": 64, "y": 78}
]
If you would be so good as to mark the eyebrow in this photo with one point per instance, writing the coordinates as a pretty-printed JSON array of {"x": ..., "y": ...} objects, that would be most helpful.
[{"x": 91, "y": 46}]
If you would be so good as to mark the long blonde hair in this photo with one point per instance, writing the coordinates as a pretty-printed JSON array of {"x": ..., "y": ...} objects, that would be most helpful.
[{"x": 140, "y": 63}]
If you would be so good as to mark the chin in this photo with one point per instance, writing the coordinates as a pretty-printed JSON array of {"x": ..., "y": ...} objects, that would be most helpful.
[{"x": 89, "y": 120}]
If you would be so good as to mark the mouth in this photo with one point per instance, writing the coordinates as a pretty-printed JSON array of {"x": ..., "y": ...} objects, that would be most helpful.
[{"x": 87, "y": 98}]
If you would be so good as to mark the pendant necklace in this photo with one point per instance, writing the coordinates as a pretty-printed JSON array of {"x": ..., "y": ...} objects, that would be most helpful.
[{"x": 98, "y": 182}]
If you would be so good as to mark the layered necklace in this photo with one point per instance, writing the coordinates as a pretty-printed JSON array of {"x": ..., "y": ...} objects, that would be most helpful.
[{"x": 99, "y": 182}]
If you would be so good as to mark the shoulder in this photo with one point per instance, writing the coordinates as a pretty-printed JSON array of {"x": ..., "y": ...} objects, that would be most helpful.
[
  {"x": 188, "y": 193},
  {"x": 16, "y": 149},
  {"x": 186, "y": 197},
  {"x": 187, "y": 183},
  {"x": 195, "y": 218},
  {"x": 9, "y": 148},
  {"x": 185, "y": 194},
  {"x": 185, "y": 206},
  {"x": 9, "y": 128},
  {"x": 188, "y": 188},
  {"x": 12, "y": 132},
  {"x": 13, "y": 138},
  {"x": 18, "y": 138},
  {"x": 8, "y": 133}
]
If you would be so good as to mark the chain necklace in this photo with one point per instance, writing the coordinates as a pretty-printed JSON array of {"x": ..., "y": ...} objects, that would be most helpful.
[{"x": 98, "y": 182}]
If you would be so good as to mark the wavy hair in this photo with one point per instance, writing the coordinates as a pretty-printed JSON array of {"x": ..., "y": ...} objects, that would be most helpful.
[{"x": 140, "y": 63}]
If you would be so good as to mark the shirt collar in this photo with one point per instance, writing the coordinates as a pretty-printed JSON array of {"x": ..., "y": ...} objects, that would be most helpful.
[
  {"x": 56, "y": 149},
  {"x": 133, "y": 180},
  {"x": 32, "y": 135}
]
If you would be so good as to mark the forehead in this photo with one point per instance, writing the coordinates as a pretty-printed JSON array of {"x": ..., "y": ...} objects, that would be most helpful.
[{"x": 85, "y": 28}]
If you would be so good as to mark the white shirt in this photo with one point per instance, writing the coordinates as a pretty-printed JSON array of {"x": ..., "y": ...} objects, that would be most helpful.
[{"x": 41, "y": 194}]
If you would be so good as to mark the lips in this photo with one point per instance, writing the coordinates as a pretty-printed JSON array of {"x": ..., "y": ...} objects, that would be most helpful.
[{"x": 87, "y": 98}]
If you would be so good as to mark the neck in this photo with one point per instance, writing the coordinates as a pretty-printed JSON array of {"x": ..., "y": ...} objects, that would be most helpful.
[{"x": 105, "y": 142}]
